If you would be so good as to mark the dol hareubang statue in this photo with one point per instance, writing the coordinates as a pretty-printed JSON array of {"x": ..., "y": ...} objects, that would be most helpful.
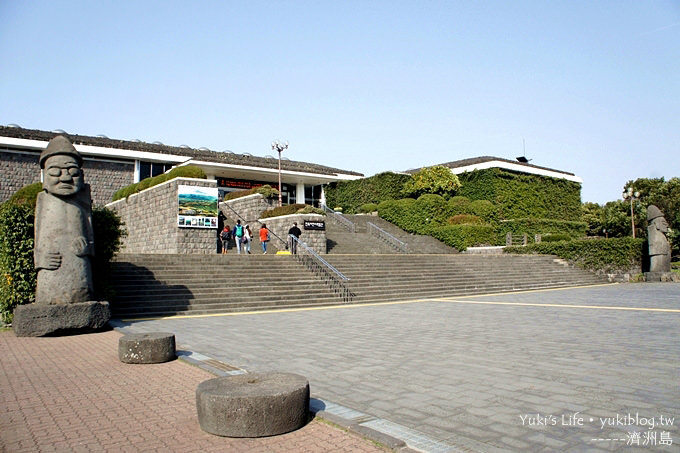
[
  {"x": 659, "y": 247},
  {"x": 64, "y": 244},
  {"x": 64, "y": 240}
]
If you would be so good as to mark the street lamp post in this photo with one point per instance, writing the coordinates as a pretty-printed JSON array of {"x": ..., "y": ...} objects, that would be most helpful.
[
  {"x": 279, "y": 147},
  {"x": 628, "y": 193}
]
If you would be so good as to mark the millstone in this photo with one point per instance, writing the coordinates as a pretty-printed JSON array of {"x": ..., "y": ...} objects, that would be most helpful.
[
  {"x": 155, "y": 347},
  {"x": 253, "y": 404}
]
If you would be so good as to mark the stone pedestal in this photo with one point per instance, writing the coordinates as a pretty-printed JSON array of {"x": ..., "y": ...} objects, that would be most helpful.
[
  {"x": 253, "y": 404},
  {"x": 155, "y": 347},
  {"x": 660, "y": 277},
  {"x": 65, "y": 319}
]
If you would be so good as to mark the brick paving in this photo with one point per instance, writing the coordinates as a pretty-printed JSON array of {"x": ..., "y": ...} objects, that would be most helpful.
[{"x": 72, "y": 394}]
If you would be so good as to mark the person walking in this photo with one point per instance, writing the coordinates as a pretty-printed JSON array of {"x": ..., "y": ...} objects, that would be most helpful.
[
  {"x": 237, "y": 232},
  {"x": 264, "y": 238},
  {"x": 225, "y": 236},
  {"x": 247, "y": 238},
  {"x": 294, "y": 231}
]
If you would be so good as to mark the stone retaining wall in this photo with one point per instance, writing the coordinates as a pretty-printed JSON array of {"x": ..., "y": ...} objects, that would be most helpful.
[
  {"x": 249, "y": 208},
  {"x": 313, "y": 238},
  {"x": 150, "y": 218}
]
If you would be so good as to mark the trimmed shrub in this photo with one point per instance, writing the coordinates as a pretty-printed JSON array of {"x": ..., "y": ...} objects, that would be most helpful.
[
  {"x": 27, "y": 195},
  {"x": 463, "y": 236},
  {"x": 266, "y": 191},
  {"x": 465, "y": 219},
  {"x": 484, "y": 209},
  {"x": 291, "y": 209},
  {"x": 109, "y": 232},
  {"x": 543, "y": 226},
  {"x": 609, "y": 255},
  {"x": 368, "y": 208},
  {"x": 187, "y": 171},
  {"x": 556, "y": 237},
  {"x": 17, "y": 275}
]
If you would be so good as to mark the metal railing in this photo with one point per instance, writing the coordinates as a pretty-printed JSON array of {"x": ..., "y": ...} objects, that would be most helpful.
[
  {"x": 341, "y": 219},
  {"x": 387, "y": 237},
  {"x": 312, "y": 261}
]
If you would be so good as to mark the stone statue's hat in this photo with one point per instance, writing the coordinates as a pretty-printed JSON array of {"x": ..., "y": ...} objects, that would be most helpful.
[
  {"x": 653, "y": 212},
  {"x": 60, "y": 145}
]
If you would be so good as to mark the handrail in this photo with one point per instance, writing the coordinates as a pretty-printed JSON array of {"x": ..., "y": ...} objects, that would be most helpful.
[
  {"x": 344, "y": 221},
  {"x": 271, "y": 233},
  {"x": 310, "y": 259},
  {"x": 330, "y": 275},
  {"x": 387, "y": 237}
]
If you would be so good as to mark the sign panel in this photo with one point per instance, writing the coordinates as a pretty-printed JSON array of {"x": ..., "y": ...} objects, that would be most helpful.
[
  {"x": 315, "y": 225},
  {"x": 197, "y": 207}
]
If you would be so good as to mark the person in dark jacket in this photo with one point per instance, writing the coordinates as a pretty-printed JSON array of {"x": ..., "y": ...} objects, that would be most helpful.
[{"x": 294, "y": 231}]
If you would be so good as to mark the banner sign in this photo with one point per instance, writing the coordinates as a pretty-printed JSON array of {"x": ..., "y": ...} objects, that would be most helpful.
[
  {"x": 315, "y": 225},
  {"x": 197, "y": 207}
]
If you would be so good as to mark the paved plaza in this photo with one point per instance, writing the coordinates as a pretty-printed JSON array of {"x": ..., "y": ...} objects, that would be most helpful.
[{"x": 581, "y": 369}]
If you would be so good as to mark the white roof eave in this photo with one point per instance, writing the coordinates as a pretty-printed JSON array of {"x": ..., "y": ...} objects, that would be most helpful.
[{"x": 518, "y": 168}]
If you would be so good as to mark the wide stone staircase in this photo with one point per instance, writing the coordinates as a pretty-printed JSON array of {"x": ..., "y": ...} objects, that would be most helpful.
[
  {"x": 380, "y": 278},
  {"x": 166, "y": 285}
]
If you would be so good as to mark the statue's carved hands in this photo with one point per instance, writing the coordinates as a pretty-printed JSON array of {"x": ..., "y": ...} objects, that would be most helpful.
[
  {"x": 51, "y": 261},
  {"x": 80, "y": 246}
]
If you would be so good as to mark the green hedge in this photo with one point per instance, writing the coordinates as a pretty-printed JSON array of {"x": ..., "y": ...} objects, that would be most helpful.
[
  {"x": 519, "y": 195},
  {"x": 17, "y": 275},
  {"x": 291, "y": 209},
  {"x": 266, "y": 191},
  {"x": 542, "y": 226},
  {"x": 556, "y": 237},
  {"x": 351, "y": 195},
  {"x": 463, "y": 236},
  {"x": 595, "y": 254},
  {"x": 17, "y": 272},
  {"x": 429, "y": 215},
  {"x": 368, "y": 208},
  {"x": 187, "y": 171}
]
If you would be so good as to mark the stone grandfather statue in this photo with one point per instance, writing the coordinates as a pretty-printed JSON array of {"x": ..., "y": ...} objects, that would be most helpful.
[
  {"x": 659, "y": 247},
  {"x": 64, "y": 244},
  {"x": 64, "y": 240}
]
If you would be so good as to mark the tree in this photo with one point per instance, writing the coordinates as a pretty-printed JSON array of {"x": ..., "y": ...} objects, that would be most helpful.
[
  {"x": 434, "y": 180},
  {"x": 666, "y": 196},
  {"x": 593, "y": 215}
]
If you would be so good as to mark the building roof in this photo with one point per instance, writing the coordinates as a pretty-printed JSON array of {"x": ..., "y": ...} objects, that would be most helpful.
[
  {"x": 484, "y": 162},
  {"x": 173, "y": 152}
]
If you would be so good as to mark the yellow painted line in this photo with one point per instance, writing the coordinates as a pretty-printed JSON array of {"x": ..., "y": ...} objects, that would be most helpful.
[
  {"x": 529, "y": 291},
  {"x": 285, "y": 310},
  {"x": 526, "y": 304}
]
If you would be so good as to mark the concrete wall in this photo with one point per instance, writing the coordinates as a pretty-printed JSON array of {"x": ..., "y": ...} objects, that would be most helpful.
[
  {"x": 150, "y": 218},
  {"x": 313, "y": 238},
  {"x": 249, "y": 208},
  {"x": 20, "y": 169}
]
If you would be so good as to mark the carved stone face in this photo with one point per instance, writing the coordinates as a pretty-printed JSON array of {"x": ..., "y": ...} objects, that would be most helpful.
[
  {"x": 660, "y": 224},
  {"x": 63, "y": 176}
]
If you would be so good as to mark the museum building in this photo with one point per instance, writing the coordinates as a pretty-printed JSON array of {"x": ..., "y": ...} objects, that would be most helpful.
[{"x": 112, "y": 164}]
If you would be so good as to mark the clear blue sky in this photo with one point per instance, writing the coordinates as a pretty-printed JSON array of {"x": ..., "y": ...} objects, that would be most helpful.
[{"x": 592, "y": 87}]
